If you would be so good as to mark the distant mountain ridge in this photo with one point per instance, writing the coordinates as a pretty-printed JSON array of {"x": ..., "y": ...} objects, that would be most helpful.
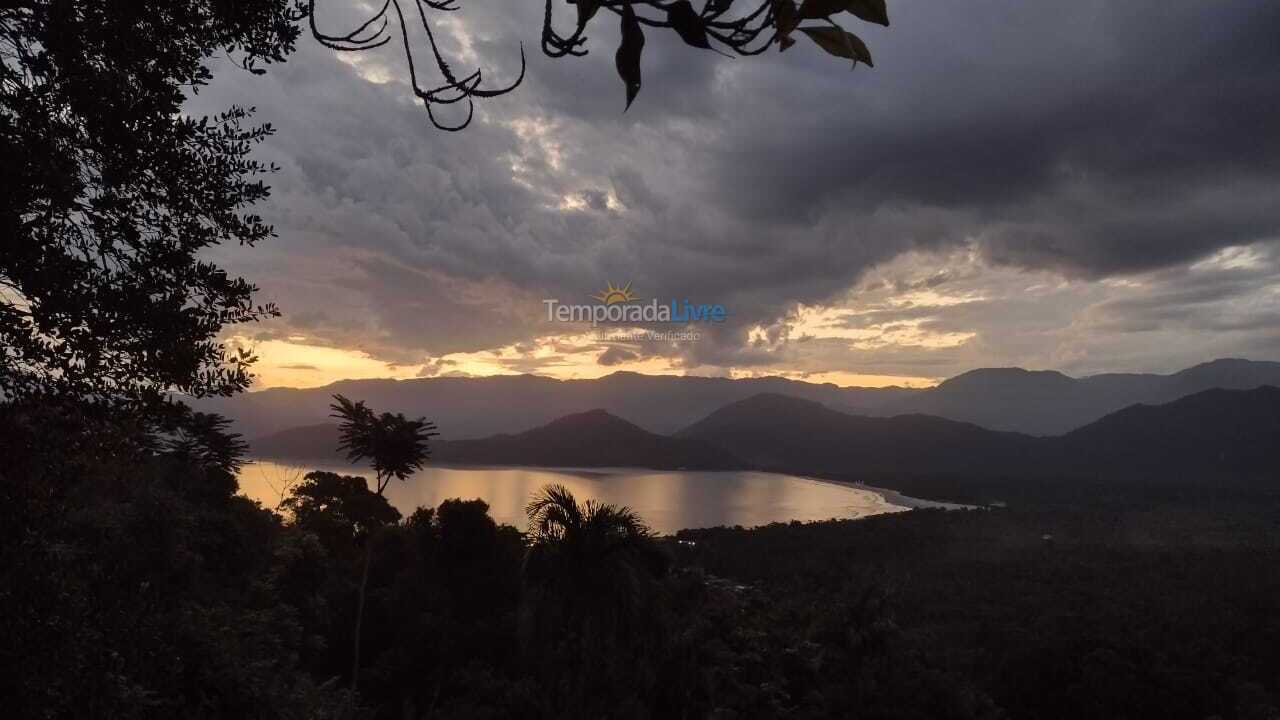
[
  {"x": 1228, "y": 435},
  {"x": 1220, "y": 432},
  {"x": 479, "y": 407},
  {"x": 776, "y": 432},
  {"x": 1050, "y": 403},
  {"x": 1009, "y": 399},
  {"x": 591, "y": 439}
]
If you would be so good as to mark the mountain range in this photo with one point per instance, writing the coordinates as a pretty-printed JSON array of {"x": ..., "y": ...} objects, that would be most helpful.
[
  {"x": 1005, "y": 399},
  {"x": 589, "y": 439},
  {"x": 1051, "y": 403},
  {"x": 1224, "y": 434},
  {"x": 1221, "y": 434}
]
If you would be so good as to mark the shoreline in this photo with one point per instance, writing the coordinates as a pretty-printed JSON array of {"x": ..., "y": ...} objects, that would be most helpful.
[{"x": 893, "y": 497}]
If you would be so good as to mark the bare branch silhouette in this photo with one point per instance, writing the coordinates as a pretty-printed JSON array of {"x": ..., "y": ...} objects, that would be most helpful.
[
  {"x": 716, "y": 27},
  {"x": 375, "y": 32}
]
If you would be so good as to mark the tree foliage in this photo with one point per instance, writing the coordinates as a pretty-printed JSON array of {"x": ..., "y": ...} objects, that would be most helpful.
[
  {"x": 111, "y": 195},
  {"x": 340, "y": 509},
  {"x": 129, "y": 590},
  {"x": 731, "y": 27},
  {"x": 394, "y": 445},
  {"x": 589, "y": 550},
  {"x": 591, "y": 575},
  {"x": 728, "y": 27},
  {"x": 135, "y": 583}
]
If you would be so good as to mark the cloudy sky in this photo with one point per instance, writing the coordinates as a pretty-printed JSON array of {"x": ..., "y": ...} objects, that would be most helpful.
[{"x": 1088, "y": 186}]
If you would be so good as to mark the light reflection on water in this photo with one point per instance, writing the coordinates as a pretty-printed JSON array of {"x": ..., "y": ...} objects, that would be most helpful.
[{"x": 668, "y": 501}]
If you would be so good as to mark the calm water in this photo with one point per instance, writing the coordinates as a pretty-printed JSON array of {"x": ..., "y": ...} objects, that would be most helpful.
[{"x": 668, "y": 501}]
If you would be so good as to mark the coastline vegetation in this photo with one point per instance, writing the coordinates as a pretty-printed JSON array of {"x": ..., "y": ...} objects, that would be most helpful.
[{"x": 132, "y": 589}]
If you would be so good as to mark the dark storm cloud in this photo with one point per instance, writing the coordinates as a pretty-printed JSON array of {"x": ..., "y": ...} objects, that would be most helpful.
[
  {"x": 597, "y": 200},
  {"x": 1092, "y": 137},
  {"x": 1087, "y": 139},
  {"x": 1202, "y": 298}
]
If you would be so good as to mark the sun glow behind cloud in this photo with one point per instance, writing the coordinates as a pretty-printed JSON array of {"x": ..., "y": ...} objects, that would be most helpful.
[
  {"x": 847, "y": 379},
  {"x": 295, "y": 363},
  {"x": 842, "y": 323}
]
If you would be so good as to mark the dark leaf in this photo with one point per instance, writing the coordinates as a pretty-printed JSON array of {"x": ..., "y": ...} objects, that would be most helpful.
[
  {"x": 685, "y": 21},
  {"x": 872, "y": 11},
  {"x": 785, "y": 20},
  {"x": 840, "y": 43},
  {"x": 815, "y": 9},
  {"x": 628, "y": 56},
  {"x": 587, "y": 10}
]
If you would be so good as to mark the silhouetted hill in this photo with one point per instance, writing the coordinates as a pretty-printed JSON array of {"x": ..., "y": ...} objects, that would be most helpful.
[
  {"x": 480, "y": 407},
  {"x": 1227, "y": 374},
  {"x": 1218, "y": 437},
  {"x": 590, "y": 439},
  {"x": 1050, "y": 403},
  {"x": 778, "y": 432},
  {"x": 309, "y": 442},
  {"x": 1032, "y": 402},
  {"x": 1233, "y": 434},
  {"x": 1228, "y": 437}
]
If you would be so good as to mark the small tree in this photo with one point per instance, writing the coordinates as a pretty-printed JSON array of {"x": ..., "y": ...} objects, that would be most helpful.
[
  {"x": 396, "y": 447},
  {"x": 339, "y": 509}
]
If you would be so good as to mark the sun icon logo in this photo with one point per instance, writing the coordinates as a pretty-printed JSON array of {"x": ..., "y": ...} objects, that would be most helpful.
[{"x": 612, "y": 295}]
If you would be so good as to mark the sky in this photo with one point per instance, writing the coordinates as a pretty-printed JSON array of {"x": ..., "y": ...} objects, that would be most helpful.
[{"x": 1088, "y": 186}]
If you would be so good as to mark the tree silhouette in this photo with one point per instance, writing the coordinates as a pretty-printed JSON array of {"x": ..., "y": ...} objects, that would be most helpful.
[
  {"x": 340, "y": 509},
  {"x": 593, "y": 551},
  {"x": 722, "y": 26},
  {"x": 395, "y": 446},
  {"x": 588, "y": 573},
  {"x": 111, "y": 195}
]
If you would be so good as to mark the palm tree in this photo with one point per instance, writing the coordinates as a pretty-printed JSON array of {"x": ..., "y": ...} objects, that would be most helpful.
[
  {"x": 591, "y": 551},
  {"x": 588, "y": 572},
  {"x": 396, "y": 447}
]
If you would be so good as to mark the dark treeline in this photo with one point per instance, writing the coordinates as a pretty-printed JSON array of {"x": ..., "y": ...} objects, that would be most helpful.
[
  {"x": 1153, "y": 609},
  {"x": 146, "y": 587}
]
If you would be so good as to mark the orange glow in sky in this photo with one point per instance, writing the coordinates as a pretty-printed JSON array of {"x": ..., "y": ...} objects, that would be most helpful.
[{"x": 297, "y": 364}]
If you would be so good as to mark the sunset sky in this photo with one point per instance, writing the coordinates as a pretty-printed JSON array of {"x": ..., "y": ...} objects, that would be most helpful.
[{"x": 1087, "y": 186}]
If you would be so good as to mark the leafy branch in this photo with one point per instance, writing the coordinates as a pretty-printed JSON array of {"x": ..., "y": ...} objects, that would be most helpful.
[{"x": 721, "y": 26}]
